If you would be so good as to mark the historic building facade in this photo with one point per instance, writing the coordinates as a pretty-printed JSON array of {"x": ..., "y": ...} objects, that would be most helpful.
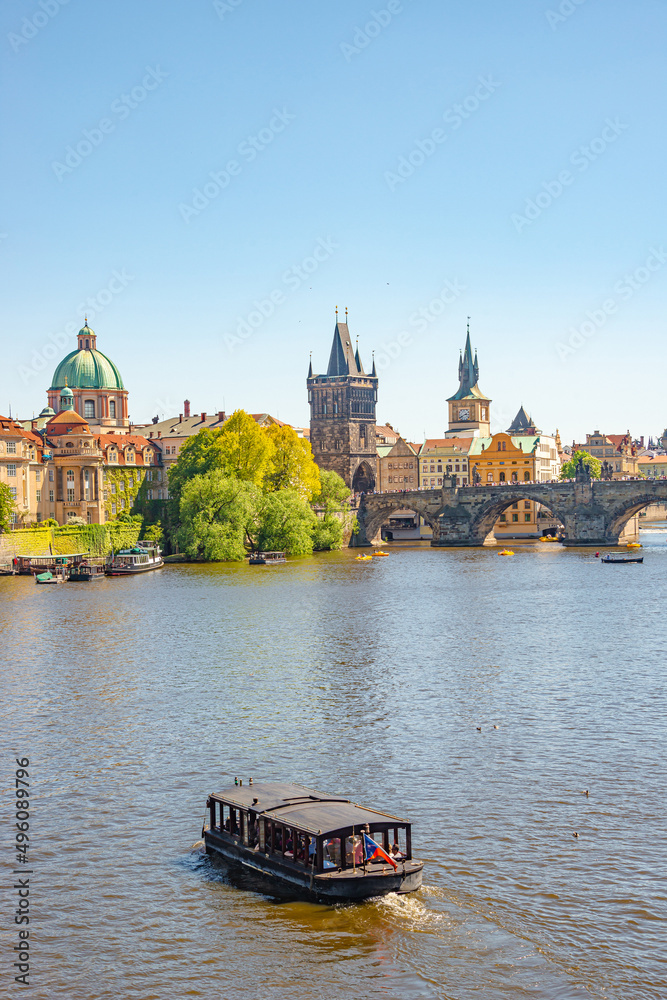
[
  {"x": 617, "y": 453},
  {"x": 21, "y": 468},
  {"x": 98, "y": 391},
  {"x": 469, "y": 407},
  {"x": 342, "y": 415}
]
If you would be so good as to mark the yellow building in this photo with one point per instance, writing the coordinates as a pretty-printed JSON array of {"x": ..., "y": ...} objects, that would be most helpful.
[
  {"x": 440, "y": 457},
  {"x": 617, "y": 453}
]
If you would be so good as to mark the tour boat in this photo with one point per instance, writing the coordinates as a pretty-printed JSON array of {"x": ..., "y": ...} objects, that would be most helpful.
[
  {"x": 322, "y": 846},
  {"x": 266, "y": 558},
  {"x": 86, "y": 572},
  {"x": 506, "y": 552},
  {"x": 137, "y": 560},
  {"x": 622, "y": 559}
]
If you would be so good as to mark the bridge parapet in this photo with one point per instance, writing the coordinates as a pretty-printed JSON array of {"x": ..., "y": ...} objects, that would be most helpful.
[{"x": 592, "y": 513}]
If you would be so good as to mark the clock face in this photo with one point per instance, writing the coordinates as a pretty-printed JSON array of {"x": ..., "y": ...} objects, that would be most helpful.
[{"x": 464, "y": 414}]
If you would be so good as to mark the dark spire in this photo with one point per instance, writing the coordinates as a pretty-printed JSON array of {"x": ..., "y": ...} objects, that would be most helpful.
[
  {"x": 357, "y": 359},
  {"x": 468, "y": 369},
  {"x": 310, "y": 366},
  {"x": 342, "y": 360},
  {"x": 374, "y": 373}
]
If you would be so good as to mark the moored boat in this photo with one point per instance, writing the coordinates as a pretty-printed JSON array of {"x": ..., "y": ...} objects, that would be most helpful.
[
  {"x": 622, "y": 559},
  {"x": 266, "y": 558},
  {"x": 323, "y": 846},
  {"x": 87, "y": 571},
  {"x": 49, "y": 577},
  {"x": 139, "y": 559}
]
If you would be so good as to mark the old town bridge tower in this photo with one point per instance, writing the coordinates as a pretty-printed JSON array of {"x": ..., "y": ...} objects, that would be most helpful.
[{"x": 342, "y": 414}]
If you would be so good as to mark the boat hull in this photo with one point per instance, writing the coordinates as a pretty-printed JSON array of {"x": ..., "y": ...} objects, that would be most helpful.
[
  {"x": 349, "y": 885},
  {"x": 132, "y": 570}
]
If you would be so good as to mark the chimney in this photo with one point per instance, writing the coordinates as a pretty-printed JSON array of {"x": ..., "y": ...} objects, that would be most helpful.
[
  {"x": 180, "y": 418},
  {"x": 186, "y": 408},
  {"x": 203, "y": 418},
  {"x": 221, "y": 416},
  {"x": 159, "y": 433}
]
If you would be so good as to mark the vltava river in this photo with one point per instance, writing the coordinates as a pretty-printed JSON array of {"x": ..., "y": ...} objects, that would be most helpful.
[{"x": 134, "y": 698}]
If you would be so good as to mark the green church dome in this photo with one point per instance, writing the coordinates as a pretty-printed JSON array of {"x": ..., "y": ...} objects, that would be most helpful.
[{"x": 87, "y": 368}]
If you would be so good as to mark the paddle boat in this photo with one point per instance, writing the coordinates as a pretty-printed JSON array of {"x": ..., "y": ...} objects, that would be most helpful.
[
  {"x": 380, "y": 555},
  {"x": 363, "y": 558},
  {"x": 506, "y": 552}
]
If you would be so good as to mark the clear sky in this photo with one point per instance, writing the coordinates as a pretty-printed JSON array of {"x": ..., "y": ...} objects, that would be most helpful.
[{"x": 210, "y": 179}]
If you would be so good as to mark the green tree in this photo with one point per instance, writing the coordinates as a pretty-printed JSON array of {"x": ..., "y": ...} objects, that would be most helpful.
[
  {"x": 154, "y": 533},
  {"x": 214, "y": 510},
  {"x": 593, "y": 465},
  {"x": 245, "y": 449},
  {"x": 283, "y": 521},
  {"x": 7, "y": 506},
  {"x": 328, "y": 532},
  {"x": 200, "y": 454},
  {"x": 291, "y": 466}
]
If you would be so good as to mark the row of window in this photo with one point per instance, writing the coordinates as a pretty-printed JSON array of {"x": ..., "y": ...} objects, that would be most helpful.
[
  {"x": 515, "y": 517},
  {"x": 89, "y": 408}
]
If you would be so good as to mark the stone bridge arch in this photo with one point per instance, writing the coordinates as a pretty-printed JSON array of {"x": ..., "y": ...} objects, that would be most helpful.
[
  {"x": 487, "y": 513},
  {"x": 373, "y": 513},
  {"x": 620, "y": 514}
]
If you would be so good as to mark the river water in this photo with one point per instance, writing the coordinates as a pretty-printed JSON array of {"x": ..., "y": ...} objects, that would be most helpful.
[{"x": 134, "y": 698}]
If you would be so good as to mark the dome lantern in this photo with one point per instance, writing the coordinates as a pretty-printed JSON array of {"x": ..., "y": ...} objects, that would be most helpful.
[{"x": 87, "y": 338}]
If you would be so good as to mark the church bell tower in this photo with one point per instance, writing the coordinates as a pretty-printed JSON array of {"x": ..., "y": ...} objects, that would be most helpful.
[
  {"x": 342, "y": 414},
  {"x": 469, "y": 414}
]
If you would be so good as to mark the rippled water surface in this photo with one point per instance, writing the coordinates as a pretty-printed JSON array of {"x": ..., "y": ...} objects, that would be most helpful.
[{"x": 135, "y": 698}]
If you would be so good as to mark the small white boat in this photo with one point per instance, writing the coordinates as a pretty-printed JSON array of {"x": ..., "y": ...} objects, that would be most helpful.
[{"x": 137, "y": 560}]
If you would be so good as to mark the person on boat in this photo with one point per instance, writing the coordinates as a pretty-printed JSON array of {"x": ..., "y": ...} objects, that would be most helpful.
[{"x": 395, "y": 851}]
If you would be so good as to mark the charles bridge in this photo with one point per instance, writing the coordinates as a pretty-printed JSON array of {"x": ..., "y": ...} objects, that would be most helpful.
[{"x": 592, "y": 512}]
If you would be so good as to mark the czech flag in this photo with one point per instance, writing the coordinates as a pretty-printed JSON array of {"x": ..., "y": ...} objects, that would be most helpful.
[{"x": 373, "y": 851}]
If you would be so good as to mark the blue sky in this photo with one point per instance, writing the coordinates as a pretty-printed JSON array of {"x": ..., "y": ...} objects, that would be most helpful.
[{"x": 213, "y": 178}]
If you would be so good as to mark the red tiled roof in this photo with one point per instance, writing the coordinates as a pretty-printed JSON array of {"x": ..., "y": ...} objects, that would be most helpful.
[{"x": 121, "y": 441}]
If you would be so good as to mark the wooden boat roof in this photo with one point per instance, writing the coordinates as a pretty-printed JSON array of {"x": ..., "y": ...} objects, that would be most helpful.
[{"x": 308, "y": 810}]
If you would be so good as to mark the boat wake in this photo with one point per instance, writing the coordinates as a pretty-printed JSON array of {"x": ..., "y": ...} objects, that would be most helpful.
[{"x": 412, "y": 912}]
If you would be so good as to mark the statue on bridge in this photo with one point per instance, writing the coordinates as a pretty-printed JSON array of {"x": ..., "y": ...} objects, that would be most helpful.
[
  {"x": 476, "y": 478},
  {"x": 582, "y": 473}
]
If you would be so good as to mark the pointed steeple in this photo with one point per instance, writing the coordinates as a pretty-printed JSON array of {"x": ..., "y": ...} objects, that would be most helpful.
[
  {"x": 468, "y": 373},
  {"x": 342, "y": 359},
  {"x": 310, "y": 366},
  {"x": 357, "y": 358}
]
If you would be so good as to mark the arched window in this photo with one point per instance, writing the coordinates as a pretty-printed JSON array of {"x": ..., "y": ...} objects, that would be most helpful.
[
  {"x": 489, "y": 477},
  {"x": 112, "y": 407},
  {"x": 502, "y": 477},
  {"x": 88, "y": 408},
  {"x": 87, "y": 344},
  {"x": 515, "y": 478},
  {"x": 526, "y": 476}
]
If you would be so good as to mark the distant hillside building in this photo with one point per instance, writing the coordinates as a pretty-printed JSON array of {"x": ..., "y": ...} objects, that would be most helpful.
[{"x": 342, "y": 414}]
